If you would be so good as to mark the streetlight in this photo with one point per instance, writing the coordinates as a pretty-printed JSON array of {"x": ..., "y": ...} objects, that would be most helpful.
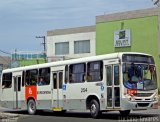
[{"x": 44, "y": 45}]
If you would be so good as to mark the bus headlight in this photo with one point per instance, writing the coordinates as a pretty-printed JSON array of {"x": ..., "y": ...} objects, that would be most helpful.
[
  {"x": 129, "y": 98},
  {"x": 155, "y": 98}
]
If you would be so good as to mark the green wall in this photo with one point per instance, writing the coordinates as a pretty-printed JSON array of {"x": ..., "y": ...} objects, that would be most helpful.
[
  {"x": 31, "y": 62},
  {"x": 144, "y": 37}
]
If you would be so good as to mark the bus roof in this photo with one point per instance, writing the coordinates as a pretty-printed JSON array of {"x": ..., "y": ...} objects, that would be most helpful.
[{"x": 72, "y": 61}]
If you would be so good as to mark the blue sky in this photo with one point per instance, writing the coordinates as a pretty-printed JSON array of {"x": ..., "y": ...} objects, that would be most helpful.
[{"x": 22, "y": 20}]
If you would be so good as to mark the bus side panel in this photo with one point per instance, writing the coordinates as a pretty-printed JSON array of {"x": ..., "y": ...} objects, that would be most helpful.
[
  {"x": 31, "y": 92},
  {"x": 23, "y": 99},
  {"x": 44, "y": 97},
  {"x": 77, "y": 93},
  {"x": 73, "y": 96},
  {"x": 7, "y": 98}
]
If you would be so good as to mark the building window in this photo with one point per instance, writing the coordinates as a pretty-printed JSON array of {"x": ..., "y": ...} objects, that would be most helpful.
[
  {"x": 77, "y": 73},
  {"x": 7, "y": 80},
  {"x": 94, "y": 71},
  {"x": 62, "y": 48},
  {"x": 82, "y": 46}
]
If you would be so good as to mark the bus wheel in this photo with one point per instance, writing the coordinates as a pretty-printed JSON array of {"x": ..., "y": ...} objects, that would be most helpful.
[
  {"x": 31, "y": 107},
  {"x": 125, "y": 112},
  {"x": 94, "y": 109}
]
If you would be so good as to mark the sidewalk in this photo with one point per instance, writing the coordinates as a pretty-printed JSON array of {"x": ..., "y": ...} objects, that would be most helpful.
[{"x": 7, "y": 116}]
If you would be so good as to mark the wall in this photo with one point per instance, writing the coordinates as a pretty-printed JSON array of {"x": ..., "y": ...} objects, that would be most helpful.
[
  {"x": 144, "y": 36},
  {"x": 31, "y": 62},
  {"x": 51, "y": 40}
]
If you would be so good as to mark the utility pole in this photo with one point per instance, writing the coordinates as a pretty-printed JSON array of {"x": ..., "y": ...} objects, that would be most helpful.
[
  {"x": 44, "y": 46},
  {"x": 15, "y": 54},
  {"x": 156, "y": 2}
]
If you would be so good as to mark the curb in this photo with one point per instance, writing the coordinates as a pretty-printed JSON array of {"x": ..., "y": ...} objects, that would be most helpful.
[{"x": 8, "y": 116}]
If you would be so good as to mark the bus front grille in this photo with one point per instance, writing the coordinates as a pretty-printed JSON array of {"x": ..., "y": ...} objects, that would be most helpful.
[
  {"x": 143, "y": 94},
  {"x": 143, "y": 104}
]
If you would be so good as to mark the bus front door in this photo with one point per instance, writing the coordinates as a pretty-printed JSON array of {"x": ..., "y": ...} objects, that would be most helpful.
[
  {"x": 113, "y": 86},
  {"x": 57, "y": 101},
  {"x": 17, "y": 92}
]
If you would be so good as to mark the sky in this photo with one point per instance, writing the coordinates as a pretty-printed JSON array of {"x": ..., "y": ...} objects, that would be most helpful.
[{"x": 22, "y": 20}]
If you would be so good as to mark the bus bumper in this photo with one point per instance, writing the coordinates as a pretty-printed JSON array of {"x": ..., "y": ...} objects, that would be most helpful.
[{"x": 138, "y": 105}]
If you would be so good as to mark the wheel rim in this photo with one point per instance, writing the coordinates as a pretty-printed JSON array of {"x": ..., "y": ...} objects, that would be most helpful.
[
  {"x": 31, "y": 107},
  {"x": 93, "y": 109}
]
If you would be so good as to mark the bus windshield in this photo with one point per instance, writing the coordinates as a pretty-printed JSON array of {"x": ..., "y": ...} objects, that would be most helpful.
[{"x": 139, "y": 76}]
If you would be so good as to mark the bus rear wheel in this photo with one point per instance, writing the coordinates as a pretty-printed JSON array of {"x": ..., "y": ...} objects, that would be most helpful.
[
  {"x": 94, "y": 109},
  {"x": 31, "y": 107}
]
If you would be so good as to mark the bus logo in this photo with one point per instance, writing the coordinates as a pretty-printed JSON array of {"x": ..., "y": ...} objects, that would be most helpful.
[{"x": 30, "y": 91}]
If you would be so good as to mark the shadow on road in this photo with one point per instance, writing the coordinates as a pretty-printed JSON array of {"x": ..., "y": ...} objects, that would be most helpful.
[{"x": 105, "y": 115}]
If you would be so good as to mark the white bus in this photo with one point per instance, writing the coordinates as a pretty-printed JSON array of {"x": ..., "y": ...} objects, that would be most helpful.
[{"x": 112, "y": 82}]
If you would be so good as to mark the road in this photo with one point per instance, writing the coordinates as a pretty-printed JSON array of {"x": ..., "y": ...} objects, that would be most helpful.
[{"x": 138, "y": 116}]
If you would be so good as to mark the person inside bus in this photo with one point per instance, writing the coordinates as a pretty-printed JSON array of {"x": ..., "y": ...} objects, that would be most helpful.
[
  {"x": 131, "y": 72},
  {"x": 89, "y": 77},
  {"x": 41, "y": 82},
  {"x": 32, "y": 82}
]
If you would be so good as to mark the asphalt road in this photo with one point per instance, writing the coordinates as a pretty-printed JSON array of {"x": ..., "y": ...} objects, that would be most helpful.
[{"x": 138, "y": 116}]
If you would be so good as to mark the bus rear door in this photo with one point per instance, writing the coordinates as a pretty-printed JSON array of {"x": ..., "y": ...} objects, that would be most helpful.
[{"x": 57, "y": 94}]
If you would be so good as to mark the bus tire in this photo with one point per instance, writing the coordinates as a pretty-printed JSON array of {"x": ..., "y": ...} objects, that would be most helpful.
[
  {"x": 94, "y": 109},
  {"x": 31, "y": 107},
  {"x": 125, "y": 112}
]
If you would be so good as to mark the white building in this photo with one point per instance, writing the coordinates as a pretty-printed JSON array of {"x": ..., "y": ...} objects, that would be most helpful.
[{"x": 70, "y": 43}]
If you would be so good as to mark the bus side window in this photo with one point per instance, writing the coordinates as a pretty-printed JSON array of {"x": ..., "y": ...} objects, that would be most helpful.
[
  {"x": 60, "y": 79},
  {"x": 66, "y": 74},
  {"x": 94, "y": 71},
  {"x": 77, "y": 73},
  {"x": 55, "y": 80},
  {"x": 23, "y": 78},
  {"x": 44, "y": 77},
  {"x": 31, "y": 77},
  {"x": 7, "y": 80}
]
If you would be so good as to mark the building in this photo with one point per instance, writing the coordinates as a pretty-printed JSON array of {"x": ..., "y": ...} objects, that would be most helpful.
[
  {"x": 70, "y": 43},
  {"x": 132, "y": 31},
  {"x": 136, "y": 31}
]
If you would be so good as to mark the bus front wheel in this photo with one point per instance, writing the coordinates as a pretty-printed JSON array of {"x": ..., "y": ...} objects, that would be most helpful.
[
  {"x": 31, "y": 107},
  {"x": 94, "y": 109}
]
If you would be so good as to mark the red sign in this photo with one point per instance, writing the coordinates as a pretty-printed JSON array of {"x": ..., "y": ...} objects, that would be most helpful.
[{"x": 31, "y": 91}]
